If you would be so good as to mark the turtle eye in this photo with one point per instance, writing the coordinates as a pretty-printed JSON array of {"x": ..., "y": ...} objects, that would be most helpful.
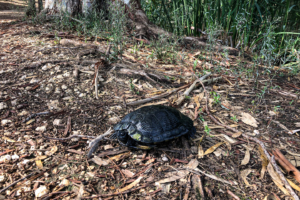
[{"x": 122, "y": 133}]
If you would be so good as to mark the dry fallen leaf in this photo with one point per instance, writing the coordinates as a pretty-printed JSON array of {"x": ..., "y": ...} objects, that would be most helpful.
[
  {"x": 200, "y": 151},
  {"x": 276, "y": 179},
  {"x": 271, "y": 197},
  {"x": 296, "y": 187},
  {"x": 80, "y": 192},
  {"x": 8, "y": 139},
  {"x": 52, "y": 151},
  {"x": 39, "y": 164},
  {"x": 248, "y": 119},
  {"x": 244, "y": 175},
  {"x": 246, "y": 159},
  {"x": 236, "y": 135},
  {"x": 213, "y": 148},
  {"x": 173, "y": 176},
  {"x": 120, "y": 156},
  {"x": 265, "y": 162},
  {"x": 128, "y": 173},
  {"x": 100, "y": 161}
]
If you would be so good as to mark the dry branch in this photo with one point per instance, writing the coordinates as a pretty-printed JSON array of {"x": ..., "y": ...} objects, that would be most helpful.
[
  {"x": 190, "y": 89},
  {"x": 95, "y": 143},
  {"x": 134, "y": 103}
]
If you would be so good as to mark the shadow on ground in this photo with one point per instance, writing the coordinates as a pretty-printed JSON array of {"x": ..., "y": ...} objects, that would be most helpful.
[{"x": 11, "y": 10}]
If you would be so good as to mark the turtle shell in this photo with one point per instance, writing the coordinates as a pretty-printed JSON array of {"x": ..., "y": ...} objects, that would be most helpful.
[{"x": 157, "y": 123}]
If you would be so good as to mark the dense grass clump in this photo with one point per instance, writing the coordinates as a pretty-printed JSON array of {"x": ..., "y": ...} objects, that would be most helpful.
[{"x": 254, "y": 25}]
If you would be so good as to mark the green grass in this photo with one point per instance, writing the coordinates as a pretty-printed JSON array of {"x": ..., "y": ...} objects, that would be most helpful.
[{"x": 268, "y": 27}]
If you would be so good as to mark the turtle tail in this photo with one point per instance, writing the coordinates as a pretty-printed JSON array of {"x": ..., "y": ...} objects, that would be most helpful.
[{"x": 192, "y": 133}]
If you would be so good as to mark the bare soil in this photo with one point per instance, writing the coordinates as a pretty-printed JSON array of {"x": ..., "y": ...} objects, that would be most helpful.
[{"x": 37, "y": 75}]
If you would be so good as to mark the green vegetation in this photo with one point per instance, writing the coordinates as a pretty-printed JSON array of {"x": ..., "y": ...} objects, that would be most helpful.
[
  {"x": 216, "y": 98},
  {"x": 246, "y": 22}
]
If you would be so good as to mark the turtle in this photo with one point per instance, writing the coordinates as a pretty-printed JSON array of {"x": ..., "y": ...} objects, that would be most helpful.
[{"x": 149, "y": 125}]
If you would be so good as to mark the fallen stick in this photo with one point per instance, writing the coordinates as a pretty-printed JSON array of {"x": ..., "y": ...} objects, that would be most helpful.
[
  {"x": 34, "y": 115},
  {"x": 138, "y": 72},
  {"x": 187, "y": 92},
  {"x": 95, "y": 143},
  {"x": 138, "y": 102},
  {"x": 190, "y": 89},
  {"x": 291, "y": 169},
  {"x": 68, "y": 127},
  {"x": 196, "y": 171},
  {"x": 117, "y": 193},
  {"x": 68, "y": 138},
  {"x": 233, "y": 195},
  {"x": 14, "y": 183}
]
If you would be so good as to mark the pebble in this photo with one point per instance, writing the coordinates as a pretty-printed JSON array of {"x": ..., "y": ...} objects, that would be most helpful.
[
  {"x": 5, "y": 121},
  {"x": 64, "y": 87},
  {"x": 3, "y": 105},
  {"x": 165, "y": 159},
  {"x": 42, "y": 190}
]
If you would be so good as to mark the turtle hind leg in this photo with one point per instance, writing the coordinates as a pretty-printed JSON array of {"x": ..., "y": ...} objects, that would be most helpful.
[
  {"x": 191, "y": 133},
  {"x": 136, "y": 145}
]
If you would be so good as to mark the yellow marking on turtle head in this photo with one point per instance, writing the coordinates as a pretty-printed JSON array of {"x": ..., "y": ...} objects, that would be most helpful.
[
  {"x": 137, "y": 137},
  {"x": 143, "y": 147}
]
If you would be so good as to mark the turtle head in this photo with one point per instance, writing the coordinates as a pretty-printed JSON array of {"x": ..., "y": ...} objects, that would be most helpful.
[{"x": 123, "y": 137}]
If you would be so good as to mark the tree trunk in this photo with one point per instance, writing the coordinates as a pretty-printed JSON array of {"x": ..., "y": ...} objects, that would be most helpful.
[
  {"x": 72, "y": 7},
  {"x": 31, "y": 9},
  {"x": 136, "y": 16}
]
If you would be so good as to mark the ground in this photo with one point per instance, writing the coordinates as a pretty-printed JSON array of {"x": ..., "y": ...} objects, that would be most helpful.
[{"x": 47, "y": 90}]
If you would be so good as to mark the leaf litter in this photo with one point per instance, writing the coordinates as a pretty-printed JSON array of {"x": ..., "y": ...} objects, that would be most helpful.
[{"x": 49, "y": 92}]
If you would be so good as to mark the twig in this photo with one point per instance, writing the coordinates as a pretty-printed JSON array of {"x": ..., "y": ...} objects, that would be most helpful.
[
  {"x": 108, "y": 51},
  {"x": 187, "y": 92},
  {"x": 68, "y": 138},
  {"x": 187, "y": 189},
  {"x": 233, "y": 195},
  {"x": 195, "y": 84},
  {"x": 34, "y": 115},
  {"x": 40, "y": 63},
  {"x": 112, "y": 152},
  {"x": 142, "y": 101},
  {"x": 117, "y": 193},
  {"x": 196, "y": 171},
  {"x": 68, "y": 127},
  {"x": 118, "y": 168},
  {"x": 139, "y": 72},
  {"x": 95, "y": 143},
  {"x": 14, "y": 183},
  {"x": 63, "y": 194},
  {"x": 96, "y": 80}
]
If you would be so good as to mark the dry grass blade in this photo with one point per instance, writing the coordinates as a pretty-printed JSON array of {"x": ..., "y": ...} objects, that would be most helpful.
[{"x": 131, "y": 185}]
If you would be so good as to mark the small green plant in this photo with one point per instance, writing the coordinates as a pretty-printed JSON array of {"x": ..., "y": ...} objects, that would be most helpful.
[
  {"x": 234, "y": 118},
  {"x": 201, "y": 116},
  {"x": 216, "y": 97},
  {"x": 207, "y": 129},
  {"x": 263, "y": 92},
  {"x": 276, "y": 108},
  {"x": 132, "y": 87},
  {"x": 195, "y": 65},
  {"x": 291, "y": 102}
]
